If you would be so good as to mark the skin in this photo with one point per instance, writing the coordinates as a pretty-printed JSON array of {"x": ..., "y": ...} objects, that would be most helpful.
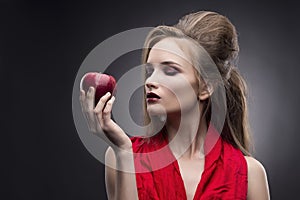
[
  {"x": 169, "y": 75},
  {"x": 176, "y": 78}
]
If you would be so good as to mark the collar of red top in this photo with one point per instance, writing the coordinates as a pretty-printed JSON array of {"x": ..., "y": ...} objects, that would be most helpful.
[{"x": 212, "y": 146}]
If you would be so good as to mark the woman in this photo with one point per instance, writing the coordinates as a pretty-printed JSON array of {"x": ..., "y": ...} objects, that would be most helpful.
[{"x": 193, "y": 160}]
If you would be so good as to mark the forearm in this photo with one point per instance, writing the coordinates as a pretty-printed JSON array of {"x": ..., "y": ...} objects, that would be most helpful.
[{"x": 125, "y": 177}]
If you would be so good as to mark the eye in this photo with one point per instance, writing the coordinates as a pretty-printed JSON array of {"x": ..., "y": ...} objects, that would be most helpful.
[
  {"x": 170, "y": 70},
  {"x": 148, "y": 69}
]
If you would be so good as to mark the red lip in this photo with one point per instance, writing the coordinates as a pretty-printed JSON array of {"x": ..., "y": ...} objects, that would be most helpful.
[{"x": 152, "y": 97}]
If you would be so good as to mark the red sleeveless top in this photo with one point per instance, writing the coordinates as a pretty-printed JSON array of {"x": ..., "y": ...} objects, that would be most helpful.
[{"x": 158, "y": 176}]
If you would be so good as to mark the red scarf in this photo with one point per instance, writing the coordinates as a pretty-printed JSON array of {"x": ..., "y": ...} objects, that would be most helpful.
[{"x": 158, "y": 176}]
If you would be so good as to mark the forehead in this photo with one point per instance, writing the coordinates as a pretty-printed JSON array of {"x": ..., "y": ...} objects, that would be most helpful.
[{"x": 170, "y": 48}]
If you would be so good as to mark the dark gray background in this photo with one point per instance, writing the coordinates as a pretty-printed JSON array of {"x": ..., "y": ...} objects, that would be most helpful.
[{"x": 43, "y": 43}]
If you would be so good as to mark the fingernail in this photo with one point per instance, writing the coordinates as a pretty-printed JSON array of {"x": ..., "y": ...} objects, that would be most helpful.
[{"x": 113, "y": 98}]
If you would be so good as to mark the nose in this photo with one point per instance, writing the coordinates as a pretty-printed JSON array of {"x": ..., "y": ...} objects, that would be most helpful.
[
  {"x": 152, "y": 81},
  {"x": 151, "y": 85}
]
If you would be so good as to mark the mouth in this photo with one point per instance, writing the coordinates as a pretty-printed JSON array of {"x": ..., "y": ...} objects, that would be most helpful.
[{"x": 152, "y": 97}]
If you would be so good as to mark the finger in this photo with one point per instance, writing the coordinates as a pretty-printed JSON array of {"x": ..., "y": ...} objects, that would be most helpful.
[
  {"x": 88, "y": 108},
  {"x": 107, "y": 110},
  {"x": 82, "y": 95},
  {"x": 90, "y": 97},
  {"x": 90, "y": 103},
  {"x": 100, "y": 105},
  {"x": 82, "y": 99},
  {"x": 99, "y": 111}
]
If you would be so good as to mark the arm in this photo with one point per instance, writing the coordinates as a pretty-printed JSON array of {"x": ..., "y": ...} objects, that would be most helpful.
[
  {"x": 110, "y": 173},
  {"x": 119, "y": 183},
  {"x": 258, "y": 188}
]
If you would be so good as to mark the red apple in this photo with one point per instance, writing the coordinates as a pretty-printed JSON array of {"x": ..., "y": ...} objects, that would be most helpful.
[{"x": 103, "y": 83}]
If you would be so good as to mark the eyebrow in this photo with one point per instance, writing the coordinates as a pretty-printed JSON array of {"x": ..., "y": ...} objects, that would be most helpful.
[{"x": 169, "y": 62}]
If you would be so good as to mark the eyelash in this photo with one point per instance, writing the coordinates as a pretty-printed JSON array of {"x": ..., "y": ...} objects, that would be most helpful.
[
  {"x": 149, "y": 70},
  {"x": 174, "y": 70}
]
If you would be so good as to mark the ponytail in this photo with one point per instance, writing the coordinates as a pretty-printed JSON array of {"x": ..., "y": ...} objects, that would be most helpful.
[{"x": 236, "y": 128}]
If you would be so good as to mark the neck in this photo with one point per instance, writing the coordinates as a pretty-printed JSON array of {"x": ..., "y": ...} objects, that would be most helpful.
[{"x": 186, "y": 134}]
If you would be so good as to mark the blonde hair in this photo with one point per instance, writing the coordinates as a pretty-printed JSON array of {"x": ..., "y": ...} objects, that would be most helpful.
[{"x": 217, "y": 35}]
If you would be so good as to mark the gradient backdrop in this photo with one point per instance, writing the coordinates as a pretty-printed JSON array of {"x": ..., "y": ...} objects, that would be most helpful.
[{"x": 43, "y": 43}]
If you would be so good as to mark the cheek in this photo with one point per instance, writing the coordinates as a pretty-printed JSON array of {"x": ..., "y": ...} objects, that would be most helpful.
[
  {"x": 182, "y": 85},
  {"x": 183, "y": 92}
]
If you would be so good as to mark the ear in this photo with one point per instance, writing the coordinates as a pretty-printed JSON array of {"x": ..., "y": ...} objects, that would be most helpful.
[{"x": 205, "y": 92}]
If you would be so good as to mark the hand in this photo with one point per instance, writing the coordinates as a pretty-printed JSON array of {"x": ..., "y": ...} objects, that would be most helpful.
[{"x": 99, "y": 119}]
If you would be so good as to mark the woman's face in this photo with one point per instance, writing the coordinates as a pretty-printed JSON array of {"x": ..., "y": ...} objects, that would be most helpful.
[{"x": 171, "y": 84}]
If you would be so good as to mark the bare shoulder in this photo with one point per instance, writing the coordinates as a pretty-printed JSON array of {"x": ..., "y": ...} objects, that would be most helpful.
[
  {"x": 258, "y": 187},
  {"x": 255, "y": 166}
]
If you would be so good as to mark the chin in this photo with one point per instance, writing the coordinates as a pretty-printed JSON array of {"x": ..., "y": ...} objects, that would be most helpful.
[{"x": 154, "y": 110}]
